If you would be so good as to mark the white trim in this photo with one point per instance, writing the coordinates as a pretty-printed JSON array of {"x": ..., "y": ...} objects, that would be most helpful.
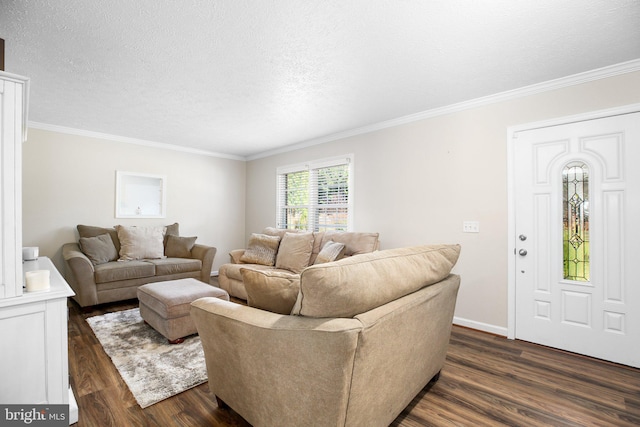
[
  {"x": 125, "y": 139},
  {"x": 485, "y": 327},
  {"x": 512, "y": 136},
  {"x": 576, "y": 79}
]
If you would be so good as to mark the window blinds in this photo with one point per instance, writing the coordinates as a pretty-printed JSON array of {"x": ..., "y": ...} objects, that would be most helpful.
[{"x": 315, "y": 196}]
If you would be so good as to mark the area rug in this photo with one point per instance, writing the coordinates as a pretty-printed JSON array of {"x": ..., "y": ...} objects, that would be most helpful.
[{"x": 152, "y": 368}]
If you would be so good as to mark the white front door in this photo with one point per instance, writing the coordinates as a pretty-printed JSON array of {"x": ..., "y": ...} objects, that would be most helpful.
[{"x": 577, "y": 237}]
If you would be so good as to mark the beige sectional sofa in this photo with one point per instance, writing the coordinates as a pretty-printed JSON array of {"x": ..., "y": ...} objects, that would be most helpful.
[
  {"x": 365, "y": 336},
  {"x": 288, "y": 252},
  {"x": 108, "y": 264}
]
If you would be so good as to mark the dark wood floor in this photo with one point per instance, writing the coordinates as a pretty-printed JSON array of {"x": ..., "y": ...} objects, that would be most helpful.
[{"x": 486, "y": 381}]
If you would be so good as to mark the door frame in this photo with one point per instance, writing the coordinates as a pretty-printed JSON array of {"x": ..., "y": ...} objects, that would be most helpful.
[{"x": 512, "y": 138}]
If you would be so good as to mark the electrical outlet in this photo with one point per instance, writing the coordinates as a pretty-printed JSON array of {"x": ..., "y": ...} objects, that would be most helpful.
[{"x": 471, "y": 227}]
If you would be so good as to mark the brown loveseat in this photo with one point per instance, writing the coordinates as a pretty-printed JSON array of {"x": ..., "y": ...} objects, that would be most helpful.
[
  {"x": 102, "y": 267},
  {"x": 367, "y": 333},
  {"x": 289, "y": 252}
]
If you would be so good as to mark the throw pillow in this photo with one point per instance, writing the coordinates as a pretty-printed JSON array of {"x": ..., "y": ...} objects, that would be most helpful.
[
  {"x": 172, "y": 230},
  {"x": 179, "y": 247},
  {"x": 99, "y": 249},
  {"x": 262, "y": 250},
  {"x": 331, "y": 251},
  {"x": 295, "y": 251},
  {"x": 140, "y": 242},
  {"x": 274, "y": 291},
  {"x": 92, "y": 231}
]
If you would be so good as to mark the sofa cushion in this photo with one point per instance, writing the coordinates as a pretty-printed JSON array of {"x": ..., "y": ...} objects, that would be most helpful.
[
  {"x": 167, "y": 266},
  {"x": 355, "y": 242},
  {"x": 294, "y": 251},
  {"x": 92, "y": 231},
  {"x": 331, "y": 251},
  {"x": 232, "y": 271},
  {"x": 271, "y": 290},
  {"x": 280, "y": 232},
  {"x": 115, "y": 271},
  {"x": 179, "y": 247},
  {"x": 262, "y": 249},
  {"x": 99, "y": 249},
  {"x": 140, "y": 242},
  {"x": 360, "y": 283}
]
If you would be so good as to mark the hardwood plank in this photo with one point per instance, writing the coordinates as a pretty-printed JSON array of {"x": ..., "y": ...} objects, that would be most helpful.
[{"x": 487, "y": 380}]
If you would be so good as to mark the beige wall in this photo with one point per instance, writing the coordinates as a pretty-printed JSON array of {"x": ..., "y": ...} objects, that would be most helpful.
[
  {"x": 416, "y": 184},
  {"x": 70, "y": 180}
]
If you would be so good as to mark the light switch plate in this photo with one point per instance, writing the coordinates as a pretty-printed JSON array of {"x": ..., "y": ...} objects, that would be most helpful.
[{"x": 471, "y": 226}]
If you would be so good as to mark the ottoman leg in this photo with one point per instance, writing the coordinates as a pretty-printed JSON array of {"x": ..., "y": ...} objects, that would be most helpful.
[{"x": 176, "y": 341}]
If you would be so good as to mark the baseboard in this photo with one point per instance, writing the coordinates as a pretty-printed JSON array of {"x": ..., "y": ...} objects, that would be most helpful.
[
  {"x": 214, "y": 273},
  {"x": 485, "y": 327},
  {"x": 73, "y": 408}
]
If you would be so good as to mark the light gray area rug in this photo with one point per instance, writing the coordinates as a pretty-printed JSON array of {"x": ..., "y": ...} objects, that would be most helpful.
[{"x": 152, "y": 368}]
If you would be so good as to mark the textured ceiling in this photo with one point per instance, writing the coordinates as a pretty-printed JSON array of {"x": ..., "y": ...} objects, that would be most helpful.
[{"x": 244, "y": 77}]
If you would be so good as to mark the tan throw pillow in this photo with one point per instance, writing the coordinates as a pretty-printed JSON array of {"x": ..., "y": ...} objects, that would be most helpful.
[
  {"x": 92, "y": 231},
  {"x": 273, "y": 291},
  {"x": 99, "y": 249},
  {"x": 179, "y": 247},
  {"x": 262, "y": 250},
  {"x": 172, "y": 230},
  {"x": 331, "y": 251},
  {"x": 140, "y": 242},
  {"x": 295, "y": 251}
]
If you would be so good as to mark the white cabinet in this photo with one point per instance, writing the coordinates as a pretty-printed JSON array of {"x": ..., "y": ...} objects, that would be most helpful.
[
  {"x": 13, "y": 119},
  {"x": 34, "y": 355},
  {"x": 34, "y": 362}
]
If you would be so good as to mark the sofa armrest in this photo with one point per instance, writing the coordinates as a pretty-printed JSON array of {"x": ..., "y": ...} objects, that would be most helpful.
[
  {"x": 79, "y": 272},
  {"x": 206, "y": 254},
  {"x": 254, "y": 355},
  {"x": 235, "y": 256}
]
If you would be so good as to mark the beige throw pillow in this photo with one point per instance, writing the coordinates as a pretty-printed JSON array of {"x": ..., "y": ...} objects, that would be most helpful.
[
  {"x": 295, "y": 251},
  {"x": 99, "y": 249},
  {"x": 179, "y": 247},
  {"x": 140, "y": 242},
  {"x": 92, "y": 231},
  {"x": 331, "y": 251},
  {"x": 262, "y": 250},
  {"x": 273, "y": 291}
]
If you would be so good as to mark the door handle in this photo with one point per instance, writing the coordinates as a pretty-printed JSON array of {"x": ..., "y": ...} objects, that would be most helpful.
[{"x": 522, "y": 252}]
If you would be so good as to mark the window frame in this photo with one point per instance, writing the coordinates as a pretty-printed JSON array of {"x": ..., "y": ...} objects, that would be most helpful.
[{"x": 313, "y": 208}]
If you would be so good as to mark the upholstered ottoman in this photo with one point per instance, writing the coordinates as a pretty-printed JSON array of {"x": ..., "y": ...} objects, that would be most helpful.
[{"x": 166, "y": 305}]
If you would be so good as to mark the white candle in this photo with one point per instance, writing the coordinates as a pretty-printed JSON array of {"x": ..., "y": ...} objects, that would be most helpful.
[{"x": 37, "y": 280}]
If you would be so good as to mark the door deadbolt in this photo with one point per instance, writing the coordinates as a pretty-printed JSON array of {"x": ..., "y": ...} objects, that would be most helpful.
[
  {"x": 522, "y": 237},
  {"x": 522, "y": 252}
]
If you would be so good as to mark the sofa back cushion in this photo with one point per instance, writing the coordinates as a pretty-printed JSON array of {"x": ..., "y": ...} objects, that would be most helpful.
[
  {"x": 355, "y": 243},
  {"x": 360, "y": 283}
]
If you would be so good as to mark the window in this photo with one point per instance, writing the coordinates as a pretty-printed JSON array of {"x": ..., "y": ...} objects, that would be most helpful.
[
  {"x": 315, "y": 196},
  {"x": 575, "y": 198}
]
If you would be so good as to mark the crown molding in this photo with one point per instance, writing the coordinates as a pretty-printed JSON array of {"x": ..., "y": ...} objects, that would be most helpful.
[
  {"x": 127, "y": 140},
  {"x": 575, "y": 79}
]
